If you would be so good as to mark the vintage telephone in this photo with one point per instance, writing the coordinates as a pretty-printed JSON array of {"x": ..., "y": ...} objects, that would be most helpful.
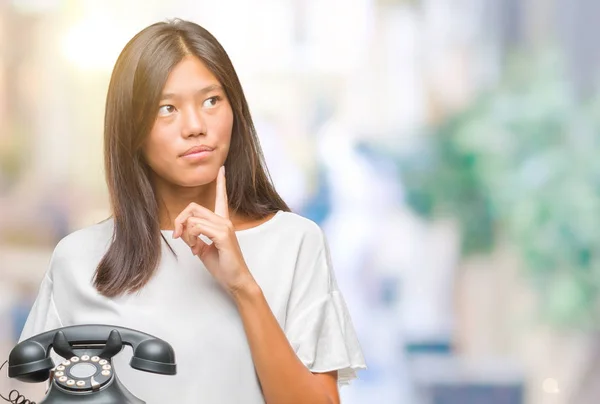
[{"x": 87, "y": 374}]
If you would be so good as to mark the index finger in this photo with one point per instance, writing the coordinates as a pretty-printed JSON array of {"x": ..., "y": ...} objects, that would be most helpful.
[{"x": 221, "y": 205}]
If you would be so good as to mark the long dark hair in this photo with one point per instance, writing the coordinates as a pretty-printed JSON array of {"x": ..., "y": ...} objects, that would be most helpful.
[{"x": 135, "y": 86}]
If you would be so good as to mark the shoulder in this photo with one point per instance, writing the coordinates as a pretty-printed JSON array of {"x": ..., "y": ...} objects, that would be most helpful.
[
  {"x": 77, "y": 255},
  {"x": 294, "y": 226},
  {"x": 293, "y": 229},
  {"x": 86, "y": 241},
  {"x": 297, "y": 223},
  {"x": 285, "y": 232}
]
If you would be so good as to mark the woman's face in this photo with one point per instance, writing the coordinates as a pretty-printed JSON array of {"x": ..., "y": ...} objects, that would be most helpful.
[{"x": 192, "y": 131}]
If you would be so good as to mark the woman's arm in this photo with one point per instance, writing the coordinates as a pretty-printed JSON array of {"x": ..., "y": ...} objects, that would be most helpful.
[{"x": 283, "y": 377}]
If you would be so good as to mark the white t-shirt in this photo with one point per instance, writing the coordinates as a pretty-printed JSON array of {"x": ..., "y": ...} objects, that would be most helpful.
[{"x": 182, "y": 304}]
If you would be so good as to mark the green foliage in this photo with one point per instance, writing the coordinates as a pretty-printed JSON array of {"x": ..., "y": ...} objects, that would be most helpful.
[{"x": 522, "y": 162}]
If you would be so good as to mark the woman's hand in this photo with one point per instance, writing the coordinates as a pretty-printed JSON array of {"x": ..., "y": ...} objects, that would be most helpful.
[{"x": 223, "y": 257}]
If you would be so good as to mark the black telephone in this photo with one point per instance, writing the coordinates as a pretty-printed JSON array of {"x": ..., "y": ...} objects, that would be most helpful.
[{"x": 87, "y": 374}]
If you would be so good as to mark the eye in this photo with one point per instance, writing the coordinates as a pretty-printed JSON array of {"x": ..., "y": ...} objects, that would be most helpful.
[
  {"x": 166, "y": 110},
  {"x": 211, "y": 102}
]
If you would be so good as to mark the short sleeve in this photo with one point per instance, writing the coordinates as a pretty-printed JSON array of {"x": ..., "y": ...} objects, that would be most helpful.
[
  {"x": 318, "y": 324},
  {"x": 43, "y": 315}
]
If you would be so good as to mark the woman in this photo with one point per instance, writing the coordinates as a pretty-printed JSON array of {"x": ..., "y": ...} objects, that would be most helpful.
[{"x": 200, "y": 250}]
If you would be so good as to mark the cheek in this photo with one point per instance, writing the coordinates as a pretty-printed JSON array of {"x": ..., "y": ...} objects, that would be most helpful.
[
  {"x": 157, "y": 150},
  {"x": 224, "y": 126}
]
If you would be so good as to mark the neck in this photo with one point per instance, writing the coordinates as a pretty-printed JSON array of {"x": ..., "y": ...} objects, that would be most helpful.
[{"x": 173, "y": 199}]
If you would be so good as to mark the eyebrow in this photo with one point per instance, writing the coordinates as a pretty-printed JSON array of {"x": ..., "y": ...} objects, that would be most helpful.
[{"x": 203, "y": 91}]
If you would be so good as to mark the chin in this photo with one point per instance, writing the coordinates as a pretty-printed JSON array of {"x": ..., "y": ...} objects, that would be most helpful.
[{"x": 195, "y": 181}]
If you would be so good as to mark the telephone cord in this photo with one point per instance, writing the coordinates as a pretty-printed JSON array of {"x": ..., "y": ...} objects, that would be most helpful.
[{"x": 14, "y": 396}]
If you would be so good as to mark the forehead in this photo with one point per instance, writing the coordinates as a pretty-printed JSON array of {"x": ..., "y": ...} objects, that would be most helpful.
[{"x": 189, "y": 74}]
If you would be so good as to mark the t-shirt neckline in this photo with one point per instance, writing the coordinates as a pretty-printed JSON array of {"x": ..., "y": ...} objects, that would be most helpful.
[{"x": 248, "y": 230}]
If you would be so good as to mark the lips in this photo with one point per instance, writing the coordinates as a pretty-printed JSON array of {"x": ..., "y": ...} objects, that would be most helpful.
[{"x": 197, "y": 149}]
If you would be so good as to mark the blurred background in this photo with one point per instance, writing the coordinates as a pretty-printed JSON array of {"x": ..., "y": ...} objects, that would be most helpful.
[{"x": 445, "y": 146}]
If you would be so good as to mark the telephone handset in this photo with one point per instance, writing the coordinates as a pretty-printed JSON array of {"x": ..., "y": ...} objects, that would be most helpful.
[{"x": 87, "y": 374}]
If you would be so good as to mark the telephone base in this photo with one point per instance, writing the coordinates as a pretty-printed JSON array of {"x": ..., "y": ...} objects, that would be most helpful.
[{"x": 114, "y": 393}]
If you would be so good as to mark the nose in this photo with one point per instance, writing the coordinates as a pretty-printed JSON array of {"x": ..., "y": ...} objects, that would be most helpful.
[{"x": 193, "y": 123}]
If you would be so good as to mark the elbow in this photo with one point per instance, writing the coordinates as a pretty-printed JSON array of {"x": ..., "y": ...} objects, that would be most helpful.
[
  {"x": 330, "y": 397},
  {"x": 332, "y": 400}
]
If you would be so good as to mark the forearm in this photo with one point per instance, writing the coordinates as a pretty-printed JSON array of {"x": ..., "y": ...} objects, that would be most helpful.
[{"x": 283, "y": 377}]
